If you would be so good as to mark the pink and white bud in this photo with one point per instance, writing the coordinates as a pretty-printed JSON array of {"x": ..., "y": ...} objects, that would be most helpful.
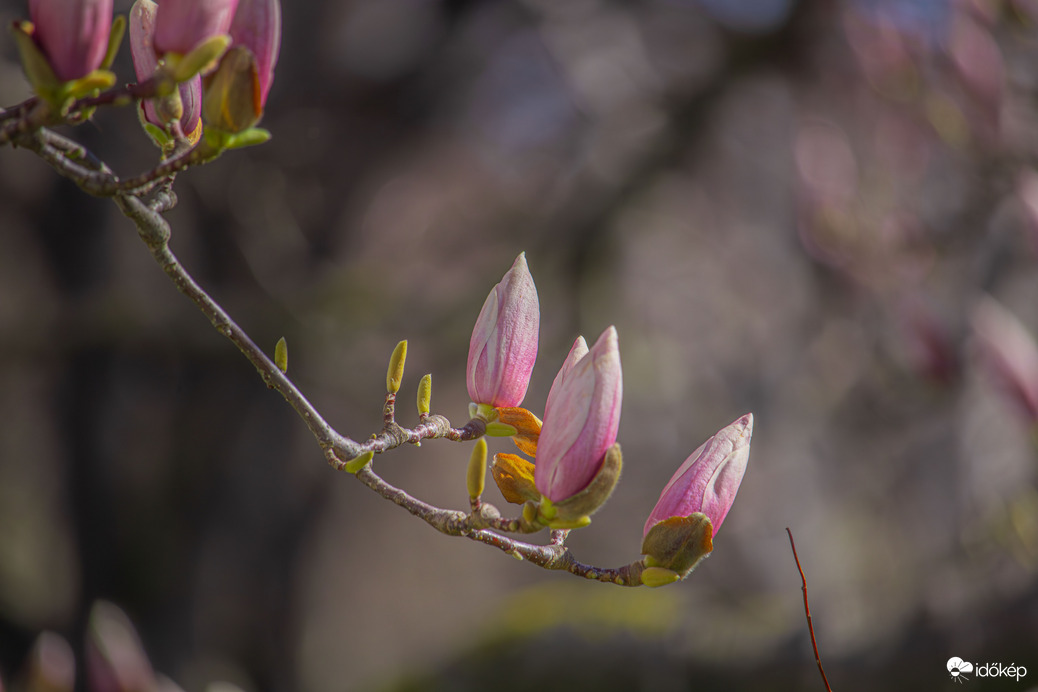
[
  {"x": 145, "y": 61},
  {"x": 1010, "y": 353},
  {"x": 180, "y": 25},
  {"x": 503, "y": 346},
  {"x": 581, "y": 418},
  {"x": 257, "y": 26},
  {"x": 709, "y": 479},
  {"x": 73, "y": 34}
]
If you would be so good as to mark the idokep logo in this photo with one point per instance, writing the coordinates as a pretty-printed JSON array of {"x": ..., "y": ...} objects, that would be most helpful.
[{"x": 960, "y": 670}]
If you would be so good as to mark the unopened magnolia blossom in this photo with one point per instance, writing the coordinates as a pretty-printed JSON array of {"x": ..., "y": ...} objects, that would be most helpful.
[
  {"x": 73, "y": 34},
  {"x": 709, "y": 479},
  {"x": 180, "y": 25},
  {"x": 257, "y": 26},
  {"x": 145, "y": 61},
  {"x": 581, "y": 418},
  {"x": 503, "y": 346}
]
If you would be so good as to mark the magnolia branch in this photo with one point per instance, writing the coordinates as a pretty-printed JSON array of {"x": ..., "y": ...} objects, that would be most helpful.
[
  {"x": 554, "y": 556},
  {"x": 484, "y": 524}
]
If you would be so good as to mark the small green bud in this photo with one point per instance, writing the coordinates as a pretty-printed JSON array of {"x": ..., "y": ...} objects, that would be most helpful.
[
  {"x": 424, "y": 395},
  {"x": 355, "y": 465},
  {"x": 476, "y": 477},
  {"x": 530, "y": 512},
  {"x": 281, "y": 355},
  {"x": 395, "y": 375},
  {"x": 247, "y": 138},
  {"x": 574, "y": 523},
  {"x": 659, "y": 576}
]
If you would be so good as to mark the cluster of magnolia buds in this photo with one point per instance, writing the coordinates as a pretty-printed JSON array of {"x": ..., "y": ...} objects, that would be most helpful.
[
  {"x": 576, "y": 458},
  {"x": 206, "y": 60}
]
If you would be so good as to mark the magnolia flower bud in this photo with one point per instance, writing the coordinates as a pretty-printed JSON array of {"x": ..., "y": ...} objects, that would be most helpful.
[
  {"x": 257, "y": 26},
  {"x": 73, "y": 34},
  {"x": 180, "y": 25},
  {"x": 188, "y": 100},
  {"x": 580, "y": 420},
  {"x": 503, "y": 347},
  {"x": 709, "y": 479}
]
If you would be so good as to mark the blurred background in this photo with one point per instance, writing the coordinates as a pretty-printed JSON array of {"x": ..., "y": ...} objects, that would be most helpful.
[{"x": 825, "y": 213}]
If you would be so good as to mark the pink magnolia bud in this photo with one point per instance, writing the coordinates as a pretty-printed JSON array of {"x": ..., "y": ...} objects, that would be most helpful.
[
  {"x": 576, "y": 352},
  {"x": 580, "y": 419},
  {"x": 503, "y": 347},
  {"x": 180, "y": 25},
  {"x": 145, "y": 60},
  {"x": 257, "y": 26},
  {"x": 73, "y": 34},
  {"x": 1010, "y": 353},
  {"x": 709, "y": 479}
]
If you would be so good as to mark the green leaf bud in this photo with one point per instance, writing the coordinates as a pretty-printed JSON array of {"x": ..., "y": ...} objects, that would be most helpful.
[
  {"x": 355, "y": 465},
  {"x": 395, "y": 374},
  {"x": 281, "y": 355},
  {"x": 476, "y": 477},
  {"x": 424, "y": 395},
  {"x": 659, "y": 576}
]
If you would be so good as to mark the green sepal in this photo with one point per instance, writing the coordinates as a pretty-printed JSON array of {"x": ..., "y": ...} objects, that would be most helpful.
[
  {"x": 37, "y": 68},
  {"x": 281, "y": 354},
  {"x": 476, "y": 475},
  {"x": 355, "y": 465},
  {"x": 679, "y": 543},
  {"x": 424, "y": 395},
  {"x": 201, "y": 59},
  {"x": 654, "y": 577},
  {"x": 158, "y": 136},
  {"x": 221, "y": 140},
  {"x": 88, "y": 85},
  {"x": 485, "y": 412},
  {"x": 498, "y": 429},
  {"x": 249, "y": 138},
  {"x": 531, "y": 513},
  {"x": 115, "y": 38},
  {"x": 576, "y": 508},
  {"x": 231, "y": 100}
]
